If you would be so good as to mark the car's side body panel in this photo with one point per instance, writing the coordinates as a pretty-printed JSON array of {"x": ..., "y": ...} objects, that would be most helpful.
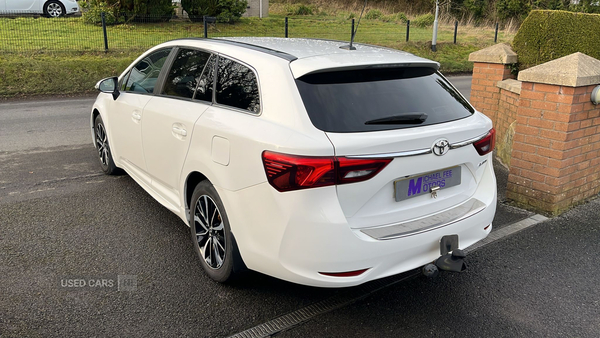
[
  {"x": 31, "y": 6},
  {"x": 166, "y": 135}
]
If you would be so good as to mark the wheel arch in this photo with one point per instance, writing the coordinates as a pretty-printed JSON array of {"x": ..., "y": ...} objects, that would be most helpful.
[
  {"x": 95, "y": 113},
  {"x": 193, "y": 179},
  {"x": 191, "y": 182}
]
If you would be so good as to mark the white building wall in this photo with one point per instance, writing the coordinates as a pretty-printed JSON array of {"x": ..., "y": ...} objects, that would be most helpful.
[{"x": 253, "y": 8}]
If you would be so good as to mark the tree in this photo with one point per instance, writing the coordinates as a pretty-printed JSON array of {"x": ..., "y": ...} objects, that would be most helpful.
[{"x": 507, "y": 9}]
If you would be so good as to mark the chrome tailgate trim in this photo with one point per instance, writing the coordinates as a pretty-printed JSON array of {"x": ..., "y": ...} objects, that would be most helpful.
[{"x": 439, "y": 220}]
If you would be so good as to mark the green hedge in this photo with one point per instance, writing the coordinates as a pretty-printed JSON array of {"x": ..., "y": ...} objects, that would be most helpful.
[{"x": 549, "y": 35}]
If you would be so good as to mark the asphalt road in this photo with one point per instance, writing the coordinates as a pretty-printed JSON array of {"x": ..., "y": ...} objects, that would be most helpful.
[{"x": 60, "y": 220}]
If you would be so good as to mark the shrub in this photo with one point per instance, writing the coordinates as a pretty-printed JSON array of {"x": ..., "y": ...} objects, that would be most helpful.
[
  {"x": 224, "y": 10},
  {"x": 93, "y": 11},
  {"x": 388, "y": 18},
  {"x": 148, "y": 10},
  {"x": 231, "y": 10},
  {"x": 399, "y": 17},
  {"x": 196, "y": 9},
  {"x": 300, "y": 9},
  {"x": 373, "y": 14},
  {"x": 548, "y": 35},
  {"x": 424, "y": 20},
  {"x": 402, "y": 17},
  {"x": 117, "y": 11}
]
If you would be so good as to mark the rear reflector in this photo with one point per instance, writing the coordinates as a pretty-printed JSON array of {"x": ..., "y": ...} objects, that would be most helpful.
[
  {"x": 292, "y": 172},
  {"x": 344, "y": 274},
  {"x": 486, "y": 144}
]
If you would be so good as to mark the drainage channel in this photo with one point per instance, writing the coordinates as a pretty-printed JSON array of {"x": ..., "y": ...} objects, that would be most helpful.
[{"x": 343, "y": 299}]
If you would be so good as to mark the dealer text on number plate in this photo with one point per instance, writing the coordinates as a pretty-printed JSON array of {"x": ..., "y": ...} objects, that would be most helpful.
[{"x": 420, "y": 185}]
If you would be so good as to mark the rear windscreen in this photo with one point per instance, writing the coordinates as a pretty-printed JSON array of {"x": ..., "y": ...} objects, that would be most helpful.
[{"x": 380, "y": 99}]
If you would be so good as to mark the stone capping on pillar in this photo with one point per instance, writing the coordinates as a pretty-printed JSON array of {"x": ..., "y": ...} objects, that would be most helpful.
[
  {"x": 555, "y": 160},
  {"x": 500, "y": 53},
  {"x": 512, "y": 85},
  {"x": 575, "y": 70}
]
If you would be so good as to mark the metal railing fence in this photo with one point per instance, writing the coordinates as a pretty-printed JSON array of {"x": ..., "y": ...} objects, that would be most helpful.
[{"x": 21, "y": 34}]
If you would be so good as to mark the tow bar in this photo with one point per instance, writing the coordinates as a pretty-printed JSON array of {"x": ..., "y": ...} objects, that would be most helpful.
[{"x": 451, "y": 259}]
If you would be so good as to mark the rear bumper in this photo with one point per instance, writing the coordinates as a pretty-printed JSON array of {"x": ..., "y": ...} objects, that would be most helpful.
[{"x": 295, "y": 235}]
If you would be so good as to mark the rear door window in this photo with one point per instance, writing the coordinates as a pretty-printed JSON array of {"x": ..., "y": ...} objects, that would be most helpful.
[
  {"x": 237, "y": 86},
  {"x": 380, "y": 99},
  {"x": 185, "y": 72}
]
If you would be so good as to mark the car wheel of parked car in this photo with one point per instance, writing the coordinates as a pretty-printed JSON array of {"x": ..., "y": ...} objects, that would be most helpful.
[
  {"x": 104, "y": 153},
  {"x": 211, "y": 233},
  {"x": 54, "y": 9}
]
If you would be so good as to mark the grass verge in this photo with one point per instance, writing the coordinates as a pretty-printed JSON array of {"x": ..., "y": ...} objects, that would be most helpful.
[
  {"x": 66, "y": 74},
  {"x": 70, "y": 74}
]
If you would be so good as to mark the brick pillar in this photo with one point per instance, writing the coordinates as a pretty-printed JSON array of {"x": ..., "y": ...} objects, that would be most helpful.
[
  {"x": 555, "y": 155},
  {"x": 491, "y": 65}
]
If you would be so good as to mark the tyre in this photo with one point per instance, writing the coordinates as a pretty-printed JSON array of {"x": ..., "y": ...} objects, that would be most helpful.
[
  {"x": 54, "y": 9},
  {"x": 211, "y": 234},
  {"x": 101, "y": 142}
]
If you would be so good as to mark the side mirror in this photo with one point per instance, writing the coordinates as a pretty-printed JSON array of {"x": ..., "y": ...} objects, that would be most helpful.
[{"x": 109, "y": 85}]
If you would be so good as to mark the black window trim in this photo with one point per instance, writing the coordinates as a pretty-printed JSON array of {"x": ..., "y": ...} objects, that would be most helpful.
[
  {"x": 245, "y": 111},
  {"x": 177, "y": 48},
  {"x": 169, "y": 63},
  {"x": 162, "y": 77},
  {"x": 212, "y": 98}
]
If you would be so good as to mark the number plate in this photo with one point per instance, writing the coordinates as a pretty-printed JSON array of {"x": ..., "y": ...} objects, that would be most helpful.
[{"x": 420, "y": 185}]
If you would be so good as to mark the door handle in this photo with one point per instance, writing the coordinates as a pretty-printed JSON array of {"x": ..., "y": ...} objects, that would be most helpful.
[
  {"x": 136, "y": 116},
  {"x": 179, "y": 131}
]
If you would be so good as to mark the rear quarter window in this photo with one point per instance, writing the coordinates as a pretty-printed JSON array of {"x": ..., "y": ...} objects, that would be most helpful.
[{"x": 349, "y": 101}]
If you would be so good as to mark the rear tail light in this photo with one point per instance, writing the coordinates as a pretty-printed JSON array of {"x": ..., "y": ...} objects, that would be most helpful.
[
  {"x": 486, "y": 144},
  {"x": 291, "y": 172}
]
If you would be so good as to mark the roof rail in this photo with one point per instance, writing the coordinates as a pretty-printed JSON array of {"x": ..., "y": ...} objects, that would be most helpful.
[{"x": 269, "y": 51}]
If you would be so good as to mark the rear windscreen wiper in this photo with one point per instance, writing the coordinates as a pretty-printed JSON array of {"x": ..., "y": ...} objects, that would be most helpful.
[{"x": 409, "y": 118}]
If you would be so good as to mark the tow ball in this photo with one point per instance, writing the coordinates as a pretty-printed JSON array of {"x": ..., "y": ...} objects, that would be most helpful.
[{"x": 451, "y": 259}]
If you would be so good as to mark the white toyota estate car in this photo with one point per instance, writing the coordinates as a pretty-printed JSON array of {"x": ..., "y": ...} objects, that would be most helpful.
[{"x": 302, "y": 160}]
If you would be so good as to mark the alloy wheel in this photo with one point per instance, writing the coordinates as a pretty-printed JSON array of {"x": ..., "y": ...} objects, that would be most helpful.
[
  {"x": 54, "y": 10},
  {"x": 210, "y": 232},
  {"x": 102, "y": 144}
]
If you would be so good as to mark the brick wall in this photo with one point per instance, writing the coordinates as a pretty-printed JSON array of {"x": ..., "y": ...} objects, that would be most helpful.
[
  {"x": 505, "y": 124},
  {"x": 555, "y": 154},
  {"x": 485, "y": 93}
]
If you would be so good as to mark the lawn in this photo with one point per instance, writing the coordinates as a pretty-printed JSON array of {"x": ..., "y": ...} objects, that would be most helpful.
[
  {"x": 72, "y": 34},
  {"x": 48, "y": 56}
]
